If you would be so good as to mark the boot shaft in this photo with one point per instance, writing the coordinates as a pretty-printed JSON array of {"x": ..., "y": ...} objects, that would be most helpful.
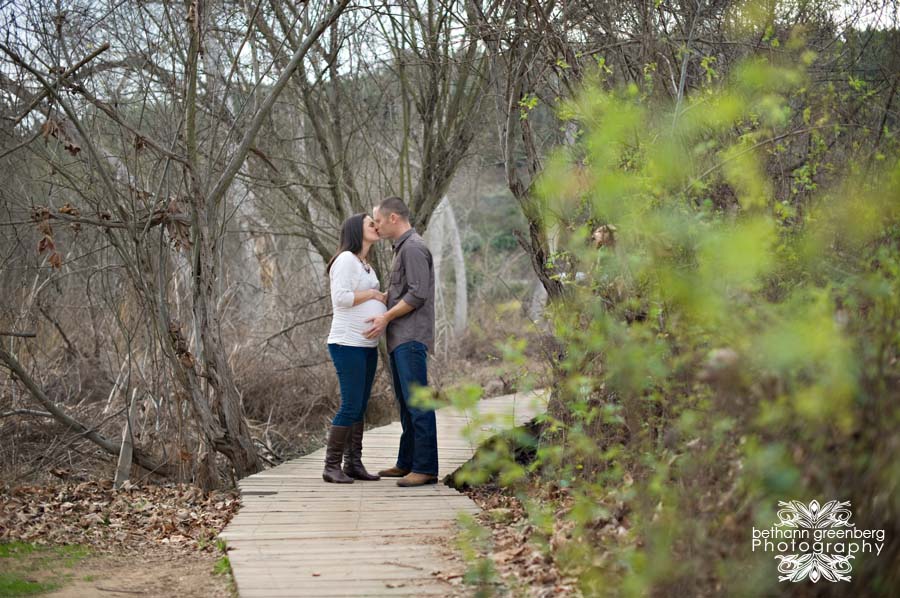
[{"x": 338, "y": 439}]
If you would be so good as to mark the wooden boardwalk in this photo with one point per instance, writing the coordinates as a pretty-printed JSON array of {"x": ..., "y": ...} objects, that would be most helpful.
[{"x": 295, "y": 535}]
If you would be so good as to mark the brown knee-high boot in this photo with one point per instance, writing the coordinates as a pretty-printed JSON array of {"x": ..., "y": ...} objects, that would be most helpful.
[
  {"x": 353, "y": 465},
  {"x": 338, "y": 439}
]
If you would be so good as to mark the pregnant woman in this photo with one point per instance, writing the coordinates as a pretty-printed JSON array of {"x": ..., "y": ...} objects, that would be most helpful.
[{"x": 355, "y": 298}]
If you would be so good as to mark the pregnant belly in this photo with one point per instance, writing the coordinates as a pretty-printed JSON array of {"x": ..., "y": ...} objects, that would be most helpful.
[
  {"x": 354, "y": 319},
  {"x": 369, "y": 309}
]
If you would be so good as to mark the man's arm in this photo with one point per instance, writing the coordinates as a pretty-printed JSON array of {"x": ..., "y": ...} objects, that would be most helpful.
[
  {"x": 379, "y": 323},
  {"x": 417, "y": 265}
]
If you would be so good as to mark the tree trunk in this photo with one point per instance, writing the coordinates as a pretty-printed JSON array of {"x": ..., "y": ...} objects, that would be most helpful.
[
  {"x": 461, "y": 302},
  {"x": 217, "y": 395},
  {"x": 123, "y": 467}
]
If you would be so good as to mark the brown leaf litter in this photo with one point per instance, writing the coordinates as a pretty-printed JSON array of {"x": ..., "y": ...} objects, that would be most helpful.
[{"x": 93, "y": 514}]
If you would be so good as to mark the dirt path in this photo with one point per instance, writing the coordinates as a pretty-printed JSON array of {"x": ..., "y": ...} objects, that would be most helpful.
[
  {"x": 157, "y": 573},
  {"x": 86, "y": 539}
]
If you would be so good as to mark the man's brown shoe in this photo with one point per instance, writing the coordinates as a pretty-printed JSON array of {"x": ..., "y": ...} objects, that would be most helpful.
[
  {"x": 393, "y": 472},
  {"x": 416, "y": 479}
]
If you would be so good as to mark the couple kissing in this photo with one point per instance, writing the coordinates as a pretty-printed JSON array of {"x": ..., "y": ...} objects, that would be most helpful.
[{"x": 362, "y": 313}]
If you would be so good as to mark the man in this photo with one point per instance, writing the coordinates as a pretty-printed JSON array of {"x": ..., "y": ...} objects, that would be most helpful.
[{"x": 409, "y": 323}]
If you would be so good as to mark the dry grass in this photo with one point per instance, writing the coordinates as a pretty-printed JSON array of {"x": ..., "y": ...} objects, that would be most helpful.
[{"x": 289, "y": 388}]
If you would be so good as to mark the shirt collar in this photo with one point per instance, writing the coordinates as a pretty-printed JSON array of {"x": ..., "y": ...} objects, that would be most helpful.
[{"x": 402, "y": 239}]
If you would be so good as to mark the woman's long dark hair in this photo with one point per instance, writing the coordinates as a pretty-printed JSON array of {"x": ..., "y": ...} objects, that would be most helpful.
[{"x": 351, "y": 238}]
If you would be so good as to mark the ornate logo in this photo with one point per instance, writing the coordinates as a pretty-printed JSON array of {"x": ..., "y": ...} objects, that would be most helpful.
[
  {"x": 797, "y": 567},
  {"x": 816, "y": 542}
]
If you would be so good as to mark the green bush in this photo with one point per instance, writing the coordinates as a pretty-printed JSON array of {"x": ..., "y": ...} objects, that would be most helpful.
[{"x": 738, "y": 346}]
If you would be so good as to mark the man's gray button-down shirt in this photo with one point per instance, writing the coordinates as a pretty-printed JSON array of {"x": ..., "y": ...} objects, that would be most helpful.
[{"x": 412, "y": 280}]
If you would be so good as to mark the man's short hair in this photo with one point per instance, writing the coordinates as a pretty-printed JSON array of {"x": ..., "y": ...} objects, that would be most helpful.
[{"x": 394, "y": 205}]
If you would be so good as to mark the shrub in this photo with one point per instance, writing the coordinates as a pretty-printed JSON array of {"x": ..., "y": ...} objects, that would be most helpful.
[{"x": 736, "y": 347}]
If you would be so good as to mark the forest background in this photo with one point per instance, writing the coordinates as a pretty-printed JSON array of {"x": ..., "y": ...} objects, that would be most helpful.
[{"x": 679, "y": 216}]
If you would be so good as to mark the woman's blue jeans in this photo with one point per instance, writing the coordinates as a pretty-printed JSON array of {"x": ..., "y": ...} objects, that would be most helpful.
[
  {"x": 356, "y": 370},
  {"x": 418, "y": 442}
]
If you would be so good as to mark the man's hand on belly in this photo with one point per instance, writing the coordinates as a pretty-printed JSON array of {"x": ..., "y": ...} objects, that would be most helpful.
[{"x": 379, "y": 324}]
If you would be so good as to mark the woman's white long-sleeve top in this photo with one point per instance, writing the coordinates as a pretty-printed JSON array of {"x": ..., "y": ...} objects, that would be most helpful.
[{"x": 348, "y": 323}]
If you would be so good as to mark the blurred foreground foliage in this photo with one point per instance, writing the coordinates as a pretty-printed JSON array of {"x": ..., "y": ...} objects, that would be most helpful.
[{"x": 730, "y": 342}]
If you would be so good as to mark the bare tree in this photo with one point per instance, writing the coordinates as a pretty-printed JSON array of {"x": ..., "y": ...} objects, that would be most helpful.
[
  {"x": 394, "y": 80},
  {"x": 128, "y": 180}
]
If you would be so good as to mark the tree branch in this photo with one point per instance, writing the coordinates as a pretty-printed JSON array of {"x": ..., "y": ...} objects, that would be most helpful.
[
  {"x": 43, "y": 93},
  {"x": 139, "y": 457},
  {"x": 240, "y": 155}
]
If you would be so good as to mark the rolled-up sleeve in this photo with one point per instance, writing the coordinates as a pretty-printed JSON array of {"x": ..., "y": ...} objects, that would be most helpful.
[
  {"x": 342, "y": 277},
  {"x": 417, "y": 264}
]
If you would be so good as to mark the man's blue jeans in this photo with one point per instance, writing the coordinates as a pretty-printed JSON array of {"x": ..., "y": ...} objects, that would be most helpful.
[
  {"x": 356, "y": 370},
  {"x": 418, "y": 442}
]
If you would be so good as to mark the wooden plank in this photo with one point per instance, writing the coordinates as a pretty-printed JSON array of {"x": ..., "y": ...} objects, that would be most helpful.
[
  {"x": 341, "y": 591},
  {"x": 296, "y": 535}
]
